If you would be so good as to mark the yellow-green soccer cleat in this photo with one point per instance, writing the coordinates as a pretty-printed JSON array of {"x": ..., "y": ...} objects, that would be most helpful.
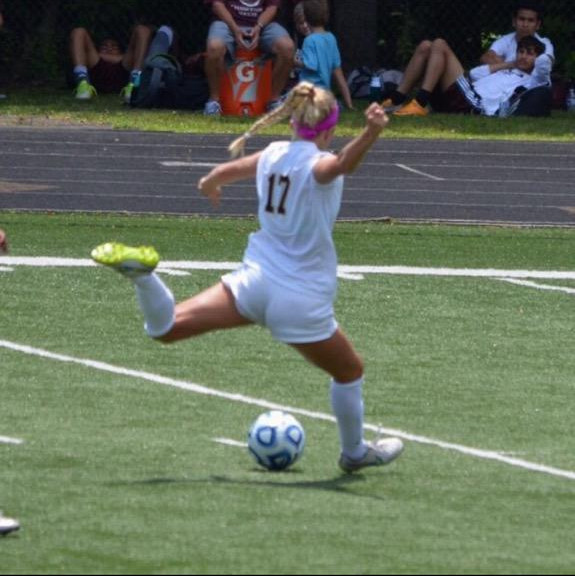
[
  {"x": 126, "y": 93},
  {"x": 85, "y": 91},
  {"x": 127, "y": 260}
]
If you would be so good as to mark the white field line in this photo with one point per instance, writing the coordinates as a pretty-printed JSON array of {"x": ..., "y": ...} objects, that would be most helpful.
[
  {"x": 343, "y": 270},
  {"x": 199, "y": 389},
  {"x": 171, "y": 272},
  {"x": 6, "y": 269},
  {"x": 414, "y": 171},
  {"x": 528, "y": 284},
  {"x": 8, "y": 440},
  {"x": 230, "y": 442},
  {"x": 348, "y": 276}
]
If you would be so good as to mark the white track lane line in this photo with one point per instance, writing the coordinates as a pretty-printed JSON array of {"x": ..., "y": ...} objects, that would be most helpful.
[
  {"x": 414, "y": 171},
  {"x": 203, "y": 390}
]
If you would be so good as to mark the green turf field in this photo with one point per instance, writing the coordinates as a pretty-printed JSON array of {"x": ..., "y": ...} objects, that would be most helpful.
[{"x": 119, "y": 472}]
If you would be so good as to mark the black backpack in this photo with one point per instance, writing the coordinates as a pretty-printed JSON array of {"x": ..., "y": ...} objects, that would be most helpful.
[
  {"x": 536, "y": 102},
  {"x": 163, "y": 85}
]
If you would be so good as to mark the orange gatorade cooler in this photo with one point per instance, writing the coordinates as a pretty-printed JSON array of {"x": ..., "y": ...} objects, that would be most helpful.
[{"x": 246, "y": 84}]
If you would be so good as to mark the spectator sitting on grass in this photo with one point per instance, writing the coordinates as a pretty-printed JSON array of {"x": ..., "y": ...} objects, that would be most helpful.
[
  {"x": 107, "y": 68},
  {"x": 527, "y": 20},
  {"x": 489, "y": 88}
]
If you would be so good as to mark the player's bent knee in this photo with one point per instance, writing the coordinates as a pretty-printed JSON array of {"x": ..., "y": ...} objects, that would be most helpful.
[{"x": 350, "y": 373}]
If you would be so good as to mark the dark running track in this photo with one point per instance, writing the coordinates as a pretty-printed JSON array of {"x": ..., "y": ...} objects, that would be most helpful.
[{"x": 91, "y": 170}]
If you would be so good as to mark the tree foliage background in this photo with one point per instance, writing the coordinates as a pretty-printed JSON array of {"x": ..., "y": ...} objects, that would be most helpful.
[{"x": 375, "y": 33}]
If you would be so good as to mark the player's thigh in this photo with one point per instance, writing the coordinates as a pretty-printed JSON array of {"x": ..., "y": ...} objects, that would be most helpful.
[{"x": 212, "y": 309}]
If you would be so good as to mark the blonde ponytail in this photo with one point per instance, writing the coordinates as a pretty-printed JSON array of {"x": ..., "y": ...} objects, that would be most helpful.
[{"x": 306, "y": 104}]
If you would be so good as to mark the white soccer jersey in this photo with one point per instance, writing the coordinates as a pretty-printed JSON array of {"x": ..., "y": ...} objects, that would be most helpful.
[
  {"x": 497, "y": 88},
  {"x": 506, "y": 47},
  {"x": 294, "y": 246}
]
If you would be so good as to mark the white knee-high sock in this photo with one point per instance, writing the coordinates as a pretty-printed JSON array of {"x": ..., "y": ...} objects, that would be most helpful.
[
  {"x": 157, "y": 304},
  {"x": 347, "y": 405}
]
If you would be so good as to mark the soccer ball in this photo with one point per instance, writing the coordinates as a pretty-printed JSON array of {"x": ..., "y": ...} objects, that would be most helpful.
[{"x": 276, "y": 440}]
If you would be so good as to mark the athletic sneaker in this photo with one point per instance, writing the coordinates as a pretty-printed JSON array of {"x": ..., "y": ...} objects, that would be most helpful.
[
  {"x": 389, "y": 106},
  {"x": 129, "y": 261},
  {"x": 126, "y": 92},
  {"x": 212, "y": 108},
  {"x": 85, "y": 90},
  {"x": 8, "y": 525},
  {"x": 412, "y": 108},
  {"x": 378, "y": 453}
]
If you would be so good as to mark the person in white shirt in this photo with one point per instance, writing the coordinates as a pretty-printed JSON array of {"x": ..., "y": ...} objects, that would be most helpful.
[
  {"x": 527, "y": 21},
  {"x": 490, "y": 88},
  {"x": 287, "y": 281}
]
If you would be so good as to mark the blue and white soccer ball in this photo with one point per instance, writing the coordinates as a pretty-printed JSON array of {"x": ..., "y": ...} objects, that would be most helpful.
[{"x": 276, "y": 440}]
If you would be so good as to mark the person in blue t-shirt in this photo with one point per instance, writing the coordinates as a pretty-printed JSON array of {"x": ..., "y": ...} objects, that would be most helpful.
[{"x": 319, "y": 60}]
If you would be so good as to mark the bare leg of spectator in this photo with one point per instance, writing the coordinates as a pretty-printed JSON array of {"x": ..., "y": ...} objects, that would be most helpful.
[
  {"x": 284, "y": 51},
  {"x": 82, "y": 49},
  {"x": 215, "y": 67},
  {"x": 443, "y": 67},
  {"x": 137, "y": 48}
]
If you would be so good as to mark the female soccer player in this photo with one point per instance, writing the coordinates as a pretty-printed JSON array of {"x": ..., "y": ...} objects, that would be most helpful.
[{"x": 288, "y": 278}]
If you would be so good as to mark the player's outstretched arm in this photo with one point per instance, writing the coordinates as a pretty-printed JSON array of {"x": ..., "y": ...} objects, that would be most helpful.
[
  {"x": 227, "y": 173},
  {"x": 351, "y": 155}
]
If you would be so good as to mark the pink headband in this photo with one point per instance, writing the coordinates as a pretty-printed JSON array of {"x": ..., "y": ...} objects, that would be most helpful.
[{"x": 311, "y": 132}]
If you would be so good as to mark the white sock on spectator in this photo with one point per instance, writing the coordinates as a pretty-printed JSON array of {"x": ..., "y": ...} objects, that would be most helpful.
[{"x": 80, "y": 73}]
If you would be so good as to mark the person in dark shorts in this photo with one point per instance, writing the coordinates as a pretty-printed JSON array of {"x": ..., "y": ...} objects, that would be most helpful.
[{"x": 107, "y": 68}]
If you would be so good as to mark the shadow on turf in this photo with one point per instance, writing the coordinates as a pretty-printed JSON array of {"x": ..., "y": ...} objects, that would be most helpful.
[{"x": 338, "y": 484}]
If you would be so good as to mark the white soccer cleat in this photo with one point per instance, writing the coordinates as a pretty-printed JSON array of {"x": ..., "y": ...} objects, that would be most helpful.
[
  {"x": 8, "y": 525},
  {"x": 378, "y": 453}
]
